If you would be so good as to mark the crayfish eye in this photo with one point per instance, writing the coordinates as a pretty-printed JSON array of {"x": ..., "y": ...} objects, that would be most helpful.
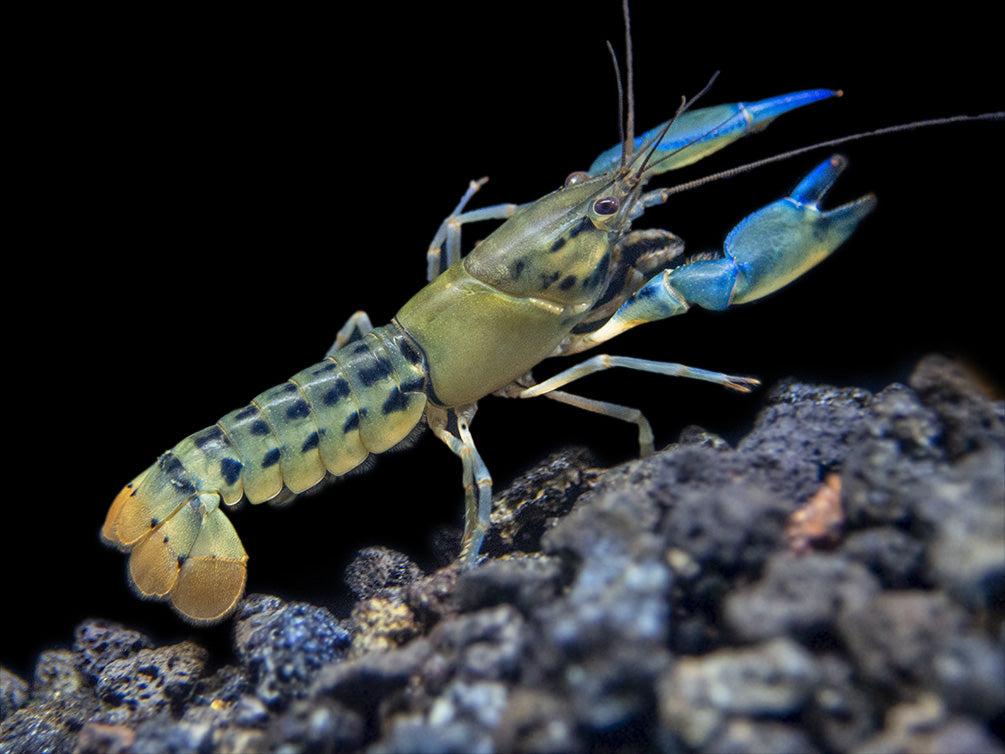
[
  {"x": 578, "y": 177},
  {"x": 608, "y": 205}
]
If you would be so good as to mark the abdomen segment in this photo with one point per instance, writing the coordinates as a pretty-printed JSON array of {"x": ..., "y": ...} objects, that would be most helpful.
[{"x": 322, "y": 422}]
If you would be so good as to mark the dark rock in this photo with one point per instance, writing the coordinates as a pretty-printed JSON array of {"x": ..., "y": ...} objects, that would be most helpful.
[
  {"x": 284, "y": 645},
  {"x": 896, "y": 558},
  {"x": 969, "y": 673},
  {"x": 622, "y": 583},
  {"x": 533, "y": 503},
  {"x": 969, "y": 419},
  {"x": 924, "y": 726},
  {"x": 525, "y": 581},
  {"x": 841, "y": 713},
  {"x": 96, "y": 738},
  {"x": 486, "y": 645},
  {"x": 363, "y": 682},
  {"x": 965, "y": 512},
  {"x": 699, "y": 437},
  {"x": 430, "y": 598},
  {"x": 375, "y": 569},
  {"x": 807, "y": 423},
  {"x": 316, "y": 725},
  {"x": 799, "y": 596},
  {"x": 665, "y": 611},
  {"x": 100, "y": 642},
  {"x": 228, "y": 685},
  {"x": 744, "y": 736},
  {"x": 726, "y": 510},
  {"x": 538, "y": 721},
  {"x": 894, "y": 448},
  {"x": 41, "y": 728},
  {"x": 461, "y": 720},
  {"x": 699, "y": 696},
  {"x": 62, "y": 702},
  {"x": 152, "y": 681},
  {"x": 616, "y": 690},
  {"x": 381, "y": 623},
  {"x": 895, "y": 636},
  {"x": 13, "y": 693},
  {"x": 57, "y": 676},
  {"x": 899, "y": 414}
]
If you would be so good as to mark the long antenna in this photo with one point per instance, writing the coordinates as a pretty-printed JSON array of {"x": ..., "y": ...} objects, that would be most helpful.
[
  {"x": 684, "y": 106},
  {"x": 621, "y": 104},
  {"x": 687, "y": 186},
  {"x": 629, "y": 142}
]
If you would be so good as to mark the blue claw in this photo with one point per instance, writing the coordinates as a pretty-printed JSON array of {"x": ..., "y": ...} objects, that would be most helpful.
[
  {"x": 767, "y": 250},
  {"x": 775, "y": 245},
  {"x": 698, "y": 133}
]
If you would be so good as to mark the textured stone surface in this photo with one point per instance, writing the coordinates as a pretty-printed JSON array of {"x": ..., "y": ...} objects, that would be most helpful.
[{"x": 655, "y": 606}]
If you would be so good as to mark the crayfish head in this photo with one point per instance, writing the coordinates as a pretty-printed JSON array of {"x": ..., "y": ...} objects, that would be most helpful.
[{"x": 559, "y": 248}]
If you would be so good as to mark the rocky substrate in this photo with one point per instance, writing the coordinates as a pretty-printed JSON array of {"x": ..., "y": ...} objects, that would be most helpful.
[{"x": 835, "y": 583}]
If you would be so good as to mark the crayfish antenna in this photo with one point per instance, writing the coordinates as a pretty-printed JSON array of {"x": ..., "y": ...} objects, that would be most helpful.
[
  {"x": 747, "y": 167},
  {"x": 626, "y": 121},
  {"x": 630, "y": 115},
  {"x": 625, "y": 142},
  {"x": 626, "y": 104}
]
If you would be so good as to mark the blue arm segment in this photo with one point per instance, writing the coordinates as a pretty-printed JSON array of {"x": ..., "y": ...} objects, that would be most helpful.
[{"x": 698, "y": 133}]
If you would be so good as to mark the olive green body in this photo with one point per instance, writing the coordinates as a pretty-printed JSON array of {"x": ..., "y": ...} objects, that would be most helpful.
[
  {"x": 476, "y": 338},
  {"x": 505, "y": 307}
]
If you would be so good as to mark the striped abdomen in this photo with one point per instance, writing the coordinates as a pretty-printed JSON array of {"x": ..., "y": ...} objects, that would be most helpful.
[{"x": 325, "y": 420}]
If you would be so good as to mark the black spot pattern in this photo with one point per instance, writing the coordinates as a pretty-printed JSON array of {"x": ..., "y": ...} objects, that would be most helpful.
[
  {"x": 599, "y": 274},
  {"x": 310, "y": 443},
  {"x": 271, "y": 458},
  {"x": 567, "y": 282},
  {"x": 396, "y": 401},
  {"x": 298, "y": 410},
  {"x": 409, "y": 351},
  {"x": 351, "y": 423},
  {"x": 380, "y": 370},
  {"x": 211, "y": 437},
  {"x": 175, "y": 473},
  {"x": 337, "y": 392},
  {"x": 246, "y": 413},
  {"x": 230, "y": 470},
  {"x": 548, "y": 278},
  {"x": 259, "y": 428},
  {"x": 416, "y": 385}
]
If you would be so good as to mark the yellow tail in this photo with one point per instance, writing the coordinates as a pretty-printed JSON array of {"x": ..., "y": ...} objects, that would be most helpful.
[{"x": 184, "y": 549}]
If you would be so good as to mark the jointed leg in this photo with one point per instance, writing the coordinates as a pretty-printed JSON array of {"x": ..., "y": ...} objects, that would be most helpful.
[
  {"x": 615, "y": 411},
  {"x": 475, "y": 475},
  {"x": 355, "y": 328},
  {"x": 449, "y": 232},
  {"x": 603, "y": 361}
]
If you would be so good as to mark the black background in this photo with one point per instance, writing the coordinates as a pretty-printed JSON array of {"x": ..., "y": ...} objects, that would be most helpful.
[{"x": 204, "y": 199}]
